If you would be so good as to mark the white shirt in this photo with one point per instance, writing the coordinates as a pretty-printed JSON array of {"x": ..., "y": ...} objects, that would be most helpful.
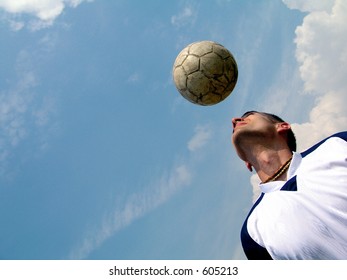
[{"x": 309, "y": 219}]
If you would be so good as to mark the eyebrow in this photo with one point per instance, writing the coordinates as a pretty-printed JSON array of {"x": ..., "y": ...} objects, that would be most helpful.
[{"x": 248, "y": 114}]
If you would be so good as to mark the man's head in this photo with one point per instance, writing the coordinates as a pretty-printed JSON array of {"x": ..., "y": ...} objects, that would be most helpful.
[{"x": 261, "y": 126}]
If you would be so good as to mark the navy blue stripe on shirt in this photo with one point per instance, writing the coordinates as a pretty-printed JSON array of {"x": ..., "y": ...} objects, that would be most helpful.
[
  {"x": 252, "y": 249},
  {"x": 290, "y": 185}
]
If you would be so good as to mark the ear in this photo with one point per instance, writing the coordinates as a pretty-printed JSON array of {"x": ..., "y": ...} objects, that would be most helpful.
[
  {"x": 283, "y": 126},
  {"x": 249, "y": 166}
]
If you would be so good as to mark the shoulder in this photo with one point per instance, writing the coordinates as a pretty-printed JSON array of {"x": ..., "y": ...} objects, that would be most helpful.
[{"x": 340, "y": 135}]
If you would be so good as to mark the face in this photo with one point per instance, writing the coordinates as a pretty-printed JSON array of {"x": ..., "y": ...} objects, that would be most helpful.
[{"x": 249, "y": 129}]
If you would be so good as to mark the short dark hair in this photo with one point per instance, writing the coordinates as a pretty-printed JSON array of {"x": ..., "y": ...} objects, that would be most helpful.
[{"x": 291, "y": 140}]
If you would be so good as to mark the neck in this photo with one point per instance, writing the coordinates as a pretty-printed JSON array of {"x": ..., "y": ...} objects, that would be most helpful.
[
  {"x": 266, "y": 152},
  {"x": 268, "y": 164}
]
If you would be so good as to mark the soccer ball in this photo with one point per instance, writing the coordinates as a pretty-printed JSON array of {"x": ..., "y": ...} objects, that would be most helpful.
[{"x": 205, "y": 73}]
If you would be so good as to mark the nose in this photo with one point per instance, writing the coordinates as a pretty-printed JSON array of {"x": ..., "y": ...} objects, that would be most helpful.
[{"x": 235, "y": 121}]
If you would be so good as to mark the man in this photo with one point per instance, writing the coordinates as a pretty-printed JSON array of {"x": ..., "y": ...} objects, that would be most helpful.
[{"x": 302, "y": 210}]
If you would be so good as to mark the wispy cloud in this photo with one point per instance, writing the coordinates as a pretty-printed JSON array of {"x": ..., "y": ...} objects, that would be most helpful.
[
  {"x": 23, "y": 111},
  {"x": 45, "y": 12},
  {"x": 134, "y": 78},
  {"x": 202, "y": 134},
  {"x": 187, "y": 16},
  {"x": 14, "y": 105},
  {"x": 140, "y": 204},
  {"x": 135, "y": 207}
]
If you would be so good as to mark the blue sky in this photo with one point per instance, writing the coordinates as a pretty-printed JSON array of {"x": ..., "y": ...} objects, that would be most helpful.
[{"x": 101, "y": 158}]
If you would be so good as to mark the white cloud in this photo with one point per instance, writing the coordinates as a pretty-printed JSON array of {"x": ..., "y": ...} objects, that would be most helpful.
[
  {"x": 322, "y": 49},
  {"x": 310, "y": 5},
  {"x": 322, "y": 54},
  {"x": 45, "y": 11},
  {"x": 326, "y": 118},
  {"x": 135, "y": 207},
  {"x": 200, "y": 138}
]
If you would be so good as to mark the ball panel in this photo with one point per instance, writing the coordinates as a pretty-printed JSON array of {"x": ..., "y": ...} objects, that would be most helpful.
[
  {"x": 191, "y": 64},
  {"x": 201, "y": 48},
  {"x": 211, "y": 65},
  {"x": 230, "y": 72},
  {"x": 180, "y": 59},
  {"x": 221, "y": 51},
  {"x": 220, "y": 86},
  {"x": 198, "y": 84},
  {"x": 189, "y": 96},
  {"x": 180, "y": 78},
  {"x": 210, "y": 99}
]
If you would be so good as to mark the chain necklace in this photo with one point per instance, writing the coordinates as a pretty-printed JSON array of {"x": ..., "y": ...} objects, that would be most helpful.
[{"x": 279, "y": 172}]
